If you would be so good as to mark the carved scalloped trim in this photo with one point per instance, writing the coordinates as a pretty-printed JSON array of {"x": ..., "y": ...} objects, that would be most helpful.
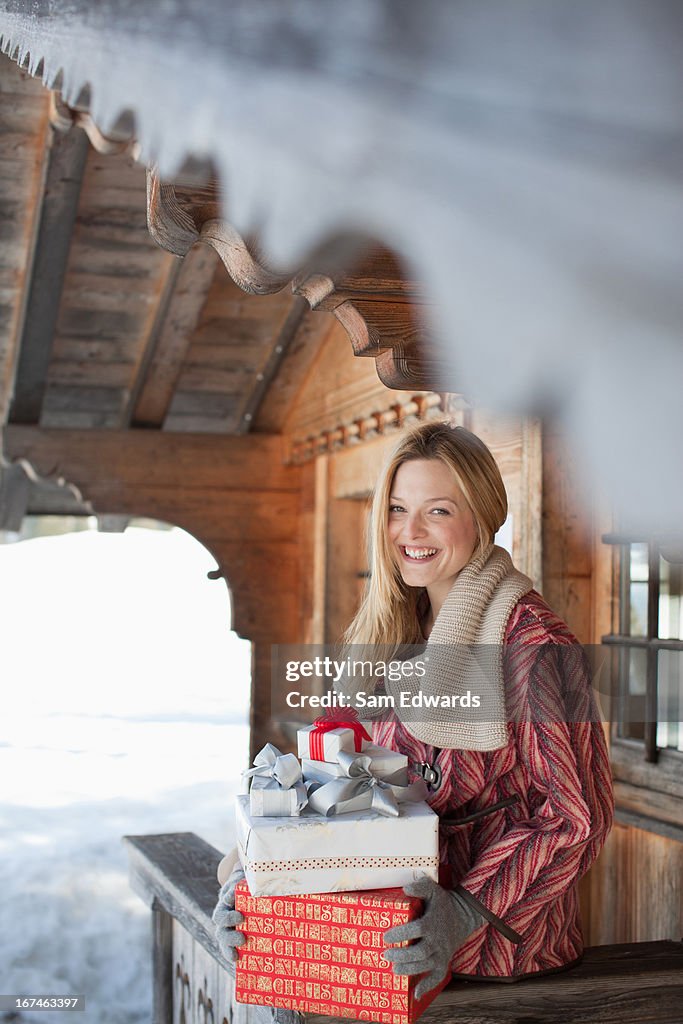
[{"x": 245, "y": 270}]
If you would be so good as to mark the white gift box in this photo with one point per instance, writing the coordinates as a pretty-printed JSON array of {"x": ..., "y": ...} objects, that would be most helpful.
[
  {"x": 267, "y": 797},
  {"x": 383, "y": 763},
  {"x": 342, "y": 853},
  {"x": 332, "y": 742}
]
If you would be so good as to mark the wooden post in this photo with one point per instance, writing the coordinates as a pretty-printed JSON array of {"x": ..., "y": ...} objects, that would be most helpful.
[{"x": 162, "y": 965}]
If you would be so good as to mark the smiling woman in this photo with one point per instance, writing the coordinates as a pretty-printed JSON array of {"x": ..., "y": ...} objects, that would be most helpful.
[{"x": 519, "y": 776}]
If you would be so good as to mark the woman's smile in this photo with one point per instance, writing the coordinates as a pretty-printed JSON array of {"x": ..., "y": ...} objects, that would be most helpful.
[{"x": 419, "y": 554}]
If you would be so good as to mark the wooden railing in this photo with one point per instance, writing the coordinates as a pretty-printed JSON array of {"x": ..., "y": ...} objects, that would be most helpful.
[{"x": 639, "y": 983}]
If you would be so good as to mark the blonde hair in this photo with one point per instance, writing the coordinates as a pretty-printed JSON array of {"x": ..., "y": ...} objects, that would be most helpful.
[{"x": 388, "y": 612}]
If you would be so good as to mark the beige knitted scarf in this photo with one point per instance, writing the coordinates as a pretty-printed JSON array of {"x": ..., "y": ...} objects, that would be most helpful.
[{"x": 464, "y": 654}]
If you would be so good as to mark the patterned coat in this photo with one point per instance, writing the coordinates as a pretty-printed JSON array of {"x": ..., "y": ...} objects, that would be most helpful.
[{"x": 519, "y": 865}]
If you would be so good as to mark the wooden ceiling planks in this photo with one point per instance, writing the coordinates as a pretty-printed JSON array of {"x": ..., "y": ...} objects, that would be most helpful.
[
  {"x": 114, "y": 282},
  {"x": 169, "y": 347},
  {"x": 24, "y": 137},
  {"x": 293, "y": 371},
  {"x": 227, "y": 359}
]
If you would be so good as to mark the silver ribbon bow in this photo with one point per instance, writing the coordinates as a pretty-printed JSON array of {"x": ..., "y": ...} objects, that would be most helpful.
[
  {"x": 270, "y": 763},
  {"x": 359, "y": 789}
]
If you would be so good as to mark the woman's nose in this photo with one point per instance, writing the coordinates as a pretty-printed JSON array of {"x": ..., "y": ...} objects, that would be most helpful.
[{"x": 415, "y": 527}]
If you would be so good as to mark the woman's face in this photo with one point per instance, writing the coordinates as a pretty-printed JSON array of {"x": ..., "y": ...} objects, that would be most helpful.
[{"x": 431, "y": 528}]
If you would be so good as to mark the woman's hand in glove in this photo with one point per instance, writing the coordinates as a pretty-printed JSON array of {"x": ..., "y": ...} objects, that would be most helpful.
[
  {"x": 446, "y": 922},
  {"x": 225, "y": 917}
]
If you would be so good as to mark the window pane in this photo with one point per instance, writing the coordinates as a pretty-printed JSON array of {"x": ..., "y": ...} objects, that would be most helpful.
[
  {"x": 638, "y": 590},
  {"x": 670, "y": 606},
  {"x": 634, "y": 675},
  {"x": 670, "y": 699}
]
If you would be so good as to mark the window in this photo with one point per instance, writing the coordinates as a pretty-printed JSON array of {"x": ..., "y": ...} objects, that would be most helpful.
[
  {"x": 647, "y": 670},
  {"x": 649, "y": 647}
]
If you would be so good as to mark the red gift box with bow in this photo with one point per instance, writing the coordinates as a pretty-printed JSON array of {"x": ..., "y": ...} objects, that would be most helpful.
[{"x": 334, "y": 731}]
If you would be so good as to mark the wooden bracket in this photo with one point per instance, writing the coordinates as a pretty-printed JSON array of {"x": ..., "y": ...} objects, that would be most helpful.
[
  {"x": 383, "y": 311},
  {"x": 179, "y": 215}
]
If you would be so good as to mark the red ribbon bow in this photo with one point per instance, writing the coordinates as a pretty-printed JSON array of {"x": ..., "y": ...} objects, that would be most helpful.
[{"x": 347, "y": 719}]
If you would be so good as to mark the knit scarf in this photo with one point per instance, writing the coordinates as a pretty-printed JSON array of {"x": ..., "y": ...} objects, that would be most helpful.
[{"x": 465, "y": 653}]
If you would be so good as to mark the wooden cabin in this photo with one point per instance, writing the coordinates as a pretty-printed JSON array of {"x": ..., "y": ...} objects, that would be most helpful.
[{"x": 153, "y": 363}]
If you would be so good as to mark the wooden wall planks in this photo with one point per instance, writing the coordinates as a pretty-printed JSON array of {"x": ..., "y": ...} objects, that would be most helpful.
[
  {"x": 568, "y": 532},
  {"x": 636, "y": 892}
]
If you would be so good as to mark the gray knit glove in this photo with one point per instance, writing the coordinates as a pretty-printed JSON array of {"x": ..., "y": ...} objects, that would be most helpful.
[
  {"x": 281, "y": 1016},
  {"x": 225, "y": 917},
  {"x": 446, "y": 922}
]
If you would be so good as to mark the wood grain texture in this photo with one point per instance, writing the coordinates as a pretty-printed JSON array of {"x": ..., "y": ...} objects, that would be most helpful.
[
  {"x": 292, "y": 371},
  {"x": 147, "y": 457},
  {"x": 310, "y": 545},
  {"x": 322, "y": 524},
  {"x": 567, "y": 537},
  {"x": 355, "y": 469},
  {"x": 183, "y": 950},
  {"x": 180, "y": 214},
  {"x": 416, "y": 365},
  {"x": 647, "y": 869},
  {"x": 346, "y": 561},
  {"x": 63, "y": 174},
  {"x": 338, "y": 389},
  {"x": 516, "y": 447},
  {"x": 178, "y": 871},
  {"x": 26, "y": 134},
  {"x": 162, "y": 965},
  {"x": 232, "y": 358},
  {"x": 115, "y": 280},
  {"x": 371, "y": 295},
  {"x": 169, "y": 338}
]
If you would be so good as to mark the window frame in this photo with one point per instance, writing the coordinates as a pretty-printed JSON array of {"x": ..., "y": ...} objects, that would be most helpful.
[{"x": 648, "y": 780}]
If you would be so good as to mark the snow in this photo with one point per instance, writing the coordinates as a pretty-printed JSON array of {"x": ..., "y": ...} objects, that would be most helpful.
[
  {"x": 124, "y": 712},
  {"x": 534, "y": 188}
]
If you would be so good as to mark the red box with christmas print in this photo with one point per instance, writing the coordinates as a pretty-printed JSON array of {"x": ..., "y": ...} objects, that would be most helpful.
[{"x": 322, "y": 953}]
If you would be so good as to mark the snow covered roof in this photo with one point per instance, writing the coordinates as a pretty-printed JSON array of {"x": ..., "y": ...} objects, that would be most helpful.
[{"x": 523, "y": 159}]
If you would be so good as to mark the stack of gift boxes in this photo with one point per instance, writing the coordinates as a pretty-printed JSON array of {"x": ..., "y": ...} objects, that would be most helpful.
[{"x": 326, "y": 845}]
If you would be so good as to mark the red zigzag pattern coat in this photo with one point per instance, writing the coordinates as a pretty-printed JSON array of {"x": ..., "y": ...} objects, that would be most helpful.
[{"x": 522, "y": 863}]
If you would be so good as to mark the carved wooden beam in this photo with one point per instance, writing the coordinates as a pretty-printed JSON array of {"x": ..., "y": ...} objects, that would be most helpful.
[
  {"x": 64, "y": 117},
  {"x": 179, "y": 215},
  {"x": 413, "y": 365},
  {"x": 378, "y": 306},
  {"x": 382, "y": 309}
]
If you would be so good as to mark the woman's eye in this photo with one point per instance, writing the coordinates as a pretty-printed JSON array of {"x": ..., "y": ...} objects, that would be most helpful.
[
  {"x": 396, "y": 508},
  {"x": 441, "y": 511}
]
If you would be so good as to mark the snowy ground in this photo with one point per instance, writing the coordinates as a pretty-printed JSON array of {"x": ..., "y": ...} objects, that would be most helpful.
[{"x": 124, "y": 701}]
